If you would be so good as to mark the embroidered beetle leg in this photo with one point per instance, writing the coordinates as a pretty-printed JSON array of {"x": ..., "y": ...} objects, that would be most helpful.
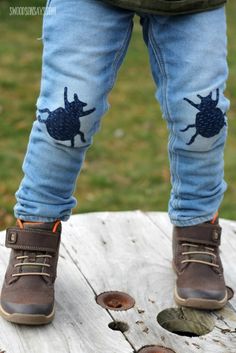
[
  {"x": 192, "y": 103},
  {"x": 82, "y": 136},
  {"x": 192, "y": 139},
  {"x": 188, "y": 127},
  {"x": 44, "y": 111}
]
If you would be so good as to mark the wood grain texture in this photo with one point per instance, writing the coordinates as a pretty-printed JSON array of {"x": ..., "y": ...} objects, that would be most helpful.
[
  {"x": 129, "y": 252},
  {"x": 80, "y": 325}
]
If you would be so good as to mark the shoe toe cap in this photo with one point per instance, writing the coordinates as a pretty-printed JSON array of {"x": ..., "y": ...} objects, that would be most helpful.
[
  {"x": 190, "y": 293},
  {"x": 27, "y": 309}
]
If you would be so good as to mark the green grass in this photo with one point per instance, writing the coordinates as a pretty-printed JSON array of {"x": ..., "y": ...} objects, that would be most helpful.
[{"x": 127, "y": 167}]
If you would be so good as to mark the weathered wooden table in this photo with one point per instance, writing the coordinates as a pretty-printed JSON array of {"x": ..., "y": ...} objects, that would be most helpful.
[{"x": 128, "y": 252}]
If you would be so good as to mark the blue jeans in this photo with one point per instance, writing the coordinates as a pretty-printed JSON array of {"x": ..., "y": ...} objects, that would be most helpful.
[{"x": 84, "y": 45}]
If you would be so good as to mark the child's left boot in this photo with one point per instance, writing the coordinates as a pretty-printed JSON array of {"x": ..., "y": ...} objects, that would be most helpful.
[
  {"x": 196, "y": 260},
  {"x": 28, "y": 290}
]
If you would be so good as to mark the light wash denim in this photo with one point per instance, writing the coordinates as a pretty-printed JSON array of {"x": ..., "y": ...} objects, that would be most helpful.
[{"x": 85, "y": 43}]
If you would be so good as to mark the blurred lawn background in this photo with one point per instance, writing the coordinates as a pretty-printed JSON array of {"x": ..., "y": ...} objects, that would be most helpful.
[{"x": 127, "y": 167}]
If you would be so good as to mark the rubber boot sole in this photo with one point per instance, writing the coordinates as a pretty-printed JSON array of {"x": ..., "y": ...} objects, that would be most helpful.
[{"x": 27, "y": 319}]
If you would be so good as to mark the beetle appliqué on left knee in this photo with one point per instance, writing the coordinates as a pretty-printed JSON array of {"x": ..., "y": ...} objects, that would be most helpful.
[
  {"x": 64, "y": 123},
  {"x": 210, "y": 119}
]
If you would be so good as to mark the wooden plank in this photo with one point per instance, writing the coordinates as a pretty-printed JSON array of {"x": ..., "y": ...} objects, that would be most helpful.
[
  {"x": 131, "y": 252},
  {"x": 80, "y": 325},
  {"x": 228, "y": 244}
]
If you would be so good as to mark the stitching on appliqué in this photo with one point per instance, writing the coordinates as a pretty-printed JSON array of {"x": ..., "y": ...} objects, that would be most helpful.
[
  {"x": 63, "y": 124},
  {"x": 210, "y": 120}
]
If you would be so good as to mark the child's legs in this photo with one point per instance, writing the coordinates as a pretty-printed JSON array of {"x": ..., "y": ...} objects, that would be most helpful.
[
  {"x": 84, "y": 44},
  {"x": 188, "y": 59}
]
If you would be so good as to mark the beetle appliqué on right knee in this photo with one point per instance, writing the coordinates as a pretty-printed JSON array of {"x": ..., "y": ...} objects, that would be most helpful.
[
  {"x": 210, "y": 120},
  {"x": 63, "y": 124}
]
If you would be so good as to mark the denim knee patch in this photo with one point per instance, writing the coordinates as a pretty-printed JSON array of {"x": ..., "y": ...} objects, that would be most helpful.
[
  {"x": 208, "y": 121},
  {"x": 63, "y": 123}
]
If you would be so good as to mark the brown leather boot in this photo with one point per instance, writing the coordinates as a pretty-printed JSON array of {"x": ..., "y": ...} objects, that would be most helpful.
[
  {"x": 28, "y": 290},
  {"x": 200, "y": 282}
]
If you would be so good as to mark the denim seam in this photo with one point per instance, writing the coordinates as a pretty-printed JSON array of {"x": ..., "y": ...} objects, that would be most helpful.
[
  {"x": 161, "y": 63},
  {"x": 114, "y": 65},
  {"x": 49, "y": 3},
  {"x": 118, "y": 56}
]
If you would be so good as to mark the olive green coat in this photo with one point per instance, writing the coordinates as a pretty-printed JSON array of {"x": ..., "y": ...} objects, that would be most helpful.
[{"x": 167, "y": 7}]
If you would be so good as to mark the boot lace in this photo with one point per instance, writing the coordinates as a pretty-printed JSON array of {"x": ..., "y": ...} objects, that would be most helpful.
[
  {"x": 41, "y": 264},
  {"x": 200, "y": 250}
]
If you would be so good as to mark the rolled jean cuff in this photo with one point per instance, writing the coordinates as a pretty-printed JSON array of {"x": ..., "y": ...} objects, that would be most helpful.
[
  {"x": 193, "y": 221},
  {"x": 40, "y": 219}
]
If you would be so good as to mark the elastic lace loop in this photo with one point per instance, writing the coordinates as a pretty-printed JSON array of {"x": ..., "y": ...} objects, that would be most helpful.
[
  {"x": 207, "y": 251},
  {"x": 42, "y": 265}
]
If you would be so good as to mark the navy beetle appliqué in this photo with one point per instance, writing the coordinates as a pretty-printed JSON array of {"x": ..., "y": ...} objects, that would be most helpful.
[
  {"x": 210, "y": 120},
  {"x": 64, "y": 123}
]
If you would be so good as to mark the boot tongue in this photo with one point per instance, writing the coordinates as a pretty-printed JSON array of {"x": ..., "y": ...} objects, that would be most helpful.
[
  {"x": 38, "y": 225},
  {"x": 54, "y": 227}
]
